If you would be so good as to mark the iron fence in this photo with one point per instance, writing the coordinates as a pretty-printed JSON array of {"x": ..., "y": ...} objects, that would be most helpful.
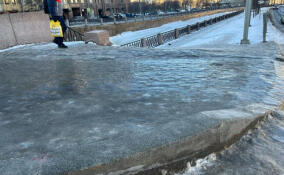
[
  {"x": 152, "y": 41},
  {"x": 183, "y": 31},
  {"x": 168, "y": 36},
  {"x": 73, "y": 35}
]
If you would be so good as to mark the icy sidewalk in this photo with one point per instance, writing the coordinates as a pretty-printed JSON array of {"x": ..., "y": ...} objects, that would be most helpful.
[
  {"x": 66, "y": 110},
  {"x": 229, "y": 31}
]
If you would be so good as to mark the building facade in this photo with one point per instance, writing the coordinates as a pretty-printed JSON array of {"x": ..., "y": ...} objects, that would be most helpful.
[{"x": 71, "y": 8}]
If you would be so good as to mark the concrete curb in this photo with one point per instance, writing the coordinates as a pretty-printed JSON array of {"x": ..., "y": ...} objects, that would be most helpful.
[
  {"x": 280, "y": 55},
  {"x": 174, "y": 157}
]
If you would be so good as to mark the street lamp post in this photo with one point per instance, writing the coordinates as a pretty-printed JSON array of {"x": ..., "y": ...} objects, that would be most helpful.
[
  {"x": 140, "y": 6},
  {"x": 23, "y": 5}
]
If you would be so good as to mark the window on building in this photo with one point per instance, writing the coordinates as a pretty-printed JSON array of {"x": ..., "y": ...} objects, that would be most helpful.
[
  {"x": 82, "y": 1},
  {"x": 75, "y": 1},
  {"x": 7, "y": 1},
  {"x": 70, "y": 1},
  {"x": 121, "y": 1},
  {"x": 13, "y": 1},
  {"x": 91, "y": 1}
]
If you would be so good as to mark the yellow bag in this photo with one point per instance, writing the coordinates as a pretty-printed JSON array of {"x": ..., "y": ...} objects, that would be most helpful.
[{"x": 55, "y": 29}]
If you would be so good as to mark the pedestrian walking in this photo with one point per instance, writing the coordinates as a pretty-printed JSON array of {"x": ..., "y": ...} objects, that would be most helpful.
[{"x": 55, "y": 9}]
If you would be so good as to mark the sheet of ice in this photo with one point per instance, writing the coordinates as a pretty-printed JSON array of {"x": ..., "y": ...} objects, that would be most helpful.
[
  {"x": 45, "y": 45},
  {"x": 228, "y": 32},
  {"x": 127, "y": 37}
]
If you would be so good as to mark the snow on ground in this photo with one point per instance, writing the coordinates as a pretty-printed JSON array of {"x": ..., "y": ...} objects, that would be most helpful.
[
  {"x": 229, "y": 31},
  {"x": 127, "y": 37}
]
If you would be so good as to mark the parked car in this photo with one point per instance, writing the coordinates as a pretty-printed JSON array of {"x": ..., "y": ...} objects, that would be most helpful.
[
  {"x": 130, "y": 15},
  {"x": 107, "y": 17},
  {"x": 119, "y": 15},
  {"x": 195, "y": 10},
  {"x": 78, "y": 18}
]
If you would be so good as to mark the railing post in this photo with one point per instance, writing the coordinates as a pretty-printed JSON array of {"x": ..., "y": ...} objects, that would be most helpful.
[
  {"x": 143, "y": 42},
  {"x": 160, "y": 39},
  {"x": 176, "y": 33},
  {"x": 67, "y": 22},
  {"x": 125, "y": 19},
  {"x": 151, "y": 17},
  {"x": 86, "y": 22},
  {"x": 143, "y": 18},
  {"x": 198, "y": 26},
  {"x": 114, "y": 20},
  {"x": 264, "y": 26},
  {"x": 102, "y": 21},
  {"x": 188, "y": 29},
  {"x": 135, "y": 19}
]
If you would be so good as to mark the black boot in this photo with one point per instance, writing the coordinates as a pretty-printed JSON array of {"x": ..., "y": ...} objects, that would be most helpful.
[
  {"x": 55, "y": 40},
  {"x": 62, "y": 46}
]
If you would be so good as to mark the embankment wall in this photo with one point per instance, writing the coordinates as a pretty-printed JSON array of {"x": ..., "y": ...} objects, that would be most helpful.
[{"x": 23, "y": 28}]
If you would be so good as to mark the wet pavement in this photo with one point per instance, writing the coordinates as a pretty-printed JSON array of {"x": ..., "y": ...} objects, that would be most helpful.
[{"x": 65, "y": 110}]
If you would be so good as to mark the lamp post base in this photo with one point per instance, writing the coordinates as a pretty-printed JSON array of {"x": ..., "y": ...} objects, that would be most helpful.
[{"x": 245, "y": 41}]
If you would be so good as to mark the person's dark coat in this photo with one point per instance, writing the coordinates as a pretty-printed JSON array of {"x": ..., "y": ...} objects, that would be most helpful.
[{"x": 55, "y": 7}]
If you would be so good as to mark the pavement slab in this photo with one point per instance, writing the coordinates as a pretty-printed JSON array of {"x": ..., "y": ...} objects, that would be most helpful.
[{"x": 67, "y": 110}]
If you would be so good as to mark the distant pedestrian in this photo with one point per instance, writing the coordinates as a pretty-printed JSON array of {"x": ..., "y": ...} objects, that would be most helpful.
[{"x": 55, "y": 8}]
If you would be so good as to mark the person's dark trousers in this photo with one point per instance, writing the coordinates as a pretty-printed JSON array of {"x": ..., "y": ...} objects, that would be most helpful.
[{"x": 59, "y": 40}]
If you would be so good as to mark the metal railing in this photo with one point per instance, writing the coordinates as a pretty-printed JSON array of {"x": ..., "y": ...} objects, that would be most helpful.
[
  {"x": 73, "y": 35},
  {"x": 168, "y": 36},
  {"x": 161, "y": 38}
]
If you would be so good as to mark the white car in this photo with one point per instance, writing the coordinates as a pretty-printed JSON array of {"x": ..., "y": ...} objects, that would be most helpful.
[{"x": 120, "y": 15}]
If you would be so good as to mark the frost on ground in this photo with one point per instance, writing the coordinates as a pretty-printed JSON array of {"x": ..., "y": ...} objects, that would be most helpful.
[{"x": 130, "y": 36}]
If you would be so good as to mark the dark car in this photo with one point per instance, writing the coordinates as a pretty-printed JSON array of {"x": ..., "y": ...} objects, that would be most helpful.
[
  {"x": 130, "y": 15},
  {"x": 195, "y": 10},
  {"x": 107, "y": 17}
]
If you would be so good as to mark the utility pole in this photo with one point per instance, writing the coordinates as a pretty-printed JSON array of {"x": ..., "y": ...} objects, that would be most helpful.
[
  {"x": 140, "y": 7},
  {"x": 246, "y": 23},
  {"x": 23, "y": 2}
]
